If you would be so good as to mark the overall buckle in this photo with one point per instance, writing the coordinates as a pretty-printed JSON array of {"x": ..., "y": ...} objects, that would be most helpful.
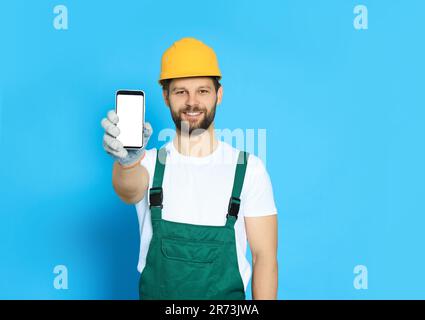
[
  {"x": 155, "y": 197},
  {"x": 233, "y": 208}
]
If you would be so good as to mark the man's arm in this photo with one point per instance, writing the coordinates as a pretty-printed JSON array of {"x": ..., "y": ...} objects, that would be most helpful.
[
  {"x": 130, "y": 183},
  {"x": 262, "y": 238},
  {"x": 129, "y": 179}
]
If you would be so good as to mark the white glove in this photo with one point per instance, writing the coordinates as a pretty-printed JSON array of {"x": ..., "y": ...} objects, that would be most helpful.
[{"x": 115, "y": 148}]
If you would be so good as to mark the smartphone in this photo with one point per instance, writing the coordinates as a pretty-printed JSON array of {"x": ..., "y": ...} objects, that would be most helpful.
[{"x": 130, "y": 108}]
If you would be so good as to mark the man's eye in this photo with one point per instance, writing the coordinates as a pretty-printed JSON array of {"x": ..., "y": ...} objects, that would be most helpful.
[
  {"x": 179, "y": 92},
  {"x": 204, "y": 91}
]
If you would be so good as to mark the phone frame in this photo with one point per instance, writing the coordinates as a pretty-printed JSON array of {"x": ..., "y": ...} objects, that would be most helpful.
[{"x": 137, "y": 93}]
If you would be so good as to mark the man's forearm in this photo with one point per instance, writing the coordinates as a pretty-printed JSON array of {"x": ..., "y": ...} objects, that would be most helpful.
[
  {"x": 264, "y": 278},
  {"x": 130, "y": 183}
]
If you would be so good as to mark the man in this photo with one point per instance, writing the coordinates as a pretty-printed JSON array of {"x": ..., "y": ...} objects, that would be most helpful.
[{"x": 206, "y": 198}]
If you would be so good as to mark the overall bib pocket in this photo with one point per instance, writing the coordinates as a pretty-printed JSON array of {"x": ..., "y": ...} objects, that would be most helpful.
[
  {"x": 190, "y": 268},
  {"x": 191, "y": 251}
]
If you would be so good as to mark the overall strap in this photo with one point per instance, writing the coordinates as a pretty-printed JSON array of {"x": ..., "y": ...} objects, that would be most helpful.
[
  {"x": 155, "y": 193},
  {"x": 235, "y": 200}
]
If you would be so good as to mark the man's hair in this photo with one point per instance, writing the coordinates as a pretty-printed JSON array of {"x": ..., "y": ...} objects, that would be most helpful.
[{"x": 166, "y": 84}]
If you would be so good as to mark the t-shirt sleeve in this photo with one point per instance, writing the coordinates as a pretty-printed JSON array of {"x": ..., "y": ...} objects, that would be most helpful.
[{"x": 257, "y": 193}]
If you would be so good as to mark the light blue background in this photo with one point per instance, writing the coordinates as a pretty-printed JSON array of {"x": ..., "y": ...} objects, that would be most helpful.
[{"x": 343, "y": 109}]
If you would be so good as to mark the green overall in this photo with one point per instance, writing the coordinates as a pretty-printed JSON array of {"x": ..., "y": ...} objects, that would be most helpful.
[{"x": 187, "y": 261}]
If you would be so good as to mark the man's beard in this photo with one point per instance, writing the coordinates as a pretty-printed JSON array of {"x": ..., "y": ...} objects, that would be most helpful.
[{"x": 189, "y": 126}]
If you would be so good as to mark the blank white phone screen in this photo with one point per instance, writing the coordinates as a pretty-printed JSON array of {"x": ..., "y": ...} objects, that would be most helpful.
[{"x": 130, "y": 119}]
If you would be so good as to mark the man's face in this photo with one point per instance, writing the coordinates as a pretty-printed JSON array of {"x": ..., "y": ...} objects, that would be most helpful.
[{"x": 192, "y": 103}]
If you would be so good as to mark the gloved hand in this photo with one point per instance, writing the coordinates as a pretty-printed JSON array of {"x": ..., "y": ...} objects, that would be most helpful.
[{"x": 115, "y": 148}]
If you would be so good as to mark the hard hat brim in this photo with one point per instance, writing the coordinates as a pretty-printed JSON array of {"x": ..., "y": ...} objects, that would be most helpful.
[{"x": 191, "y": 75}]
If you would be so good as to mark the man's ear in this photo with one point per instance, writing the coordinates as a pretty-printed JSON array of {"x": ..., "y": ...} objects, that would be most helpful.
[
  {"x": 219, "y": 95},
  {"x": 165, "y": 96}
]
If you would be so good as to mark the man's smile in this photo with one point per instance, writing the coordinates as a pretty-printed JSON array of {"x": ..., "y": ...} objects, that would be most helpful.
[{"x": 192, "y": 115}]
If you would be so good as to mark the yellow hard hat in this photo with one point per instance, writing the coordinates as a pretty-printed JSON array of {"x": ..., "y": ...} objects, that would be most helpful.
[{"x": 189, "y": 57}]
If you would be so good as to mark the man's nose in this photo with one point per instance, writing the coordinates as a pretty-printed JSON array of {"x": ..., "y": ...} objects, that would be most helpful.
[{"x": 192, "y": 99}]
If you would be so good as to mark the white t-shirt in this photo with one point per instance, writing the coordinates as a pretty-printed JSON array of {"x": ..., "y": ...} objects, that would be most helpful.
[{"x": 197, "y": 191}]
